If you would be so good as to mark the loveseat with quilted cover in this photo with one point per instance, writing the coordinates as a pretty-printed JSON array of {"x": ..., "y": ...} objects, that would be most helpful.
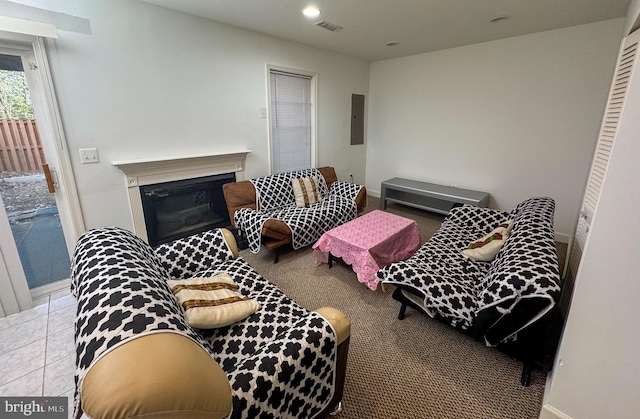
[
  {"x": 137, "y": 357},
  {"x": 500, "y": 302},
  {"x": 264, "y": 208}
]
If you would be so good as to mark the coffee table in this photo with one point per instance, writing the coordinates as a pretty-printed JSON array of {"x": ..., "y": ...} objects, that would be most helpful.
[{"x": 369, "y": 243}]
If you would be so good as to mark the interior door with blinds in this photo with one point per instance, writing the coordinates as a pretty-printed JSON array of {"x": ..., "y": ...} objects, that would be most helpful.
[
  {"x": 625, "y": 68},
  {"x": 291, "y": 121}
]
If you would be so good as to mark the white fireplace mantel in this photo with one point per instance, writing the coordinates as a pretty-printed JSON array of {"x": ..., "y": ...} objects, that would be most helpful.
[{"x": 142, "y": 172}]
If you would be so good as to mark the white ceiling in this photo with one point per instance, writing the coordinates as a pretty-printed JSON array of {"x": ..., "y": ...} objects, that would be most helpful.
[{"x": 417, "y": 25}]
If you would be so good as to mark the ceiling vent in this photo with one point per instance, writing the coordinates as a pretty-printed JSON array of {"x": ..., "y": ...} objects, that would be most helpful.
[{"x": 330, "y": 26}]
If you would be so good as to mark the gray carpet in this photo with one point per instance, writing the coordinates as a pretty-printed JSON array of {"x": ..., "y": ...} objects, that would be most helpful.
[{"x": 414, "y": 368}]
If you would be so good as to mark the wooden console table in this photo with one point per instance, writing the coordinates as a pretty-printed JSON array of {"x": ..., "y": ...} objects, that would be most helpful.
[{"x": 429, "y": 196}]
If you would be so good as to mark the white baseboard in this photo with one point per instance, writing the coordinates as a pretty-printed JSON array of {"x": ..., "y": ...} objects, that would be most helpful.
[
  {"x": 375, "y": 194},
  {"x": 550, "y": 412},
  {"x": 562, "y": 237}
]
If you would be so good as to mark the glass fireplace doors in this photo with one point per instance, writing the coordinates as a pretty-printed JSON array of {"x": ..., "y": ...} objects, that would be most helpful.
[{"x": 181, "y": 208}]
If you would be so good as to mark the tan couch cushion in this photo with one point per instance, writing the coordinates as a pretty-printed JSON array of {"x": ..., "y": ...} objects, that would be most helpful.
[
  {"x": 338, "y": 320},
  {"x": 163, "y": 375}
]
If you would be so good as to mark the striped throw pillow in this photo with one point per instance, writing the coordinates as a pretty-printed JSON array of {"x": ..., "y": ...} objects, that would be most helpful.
[
  {"x": 306, "y": 191},
  {"x": 212, "y": 302}
]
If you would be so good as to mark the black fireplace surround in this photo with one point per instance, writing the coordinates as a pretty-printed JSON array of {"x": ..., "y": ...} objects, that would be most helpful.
[{"x": 173, "y": 210}]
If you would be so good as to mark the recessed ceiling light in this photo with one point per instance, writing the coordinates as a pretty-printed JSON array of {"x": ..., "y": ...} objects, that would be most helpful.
[
  {"x": 499, "y": 18},
  {"x": 311, "y": 12}
]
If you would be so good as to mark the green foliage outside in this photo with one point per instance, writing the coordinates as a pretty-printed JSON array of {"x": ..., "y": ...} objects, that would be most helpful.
[{"x": 15, "y": 101}]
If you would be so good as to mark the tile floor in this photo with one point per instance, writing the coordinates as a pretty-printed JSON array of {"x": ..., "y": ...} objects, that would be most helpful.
[{"x": 37, "y": 352}]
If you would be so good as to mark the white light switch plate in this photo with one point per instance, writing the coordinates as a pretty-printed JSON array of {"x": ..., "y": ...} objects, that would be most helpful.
[{"x": 89, "y": 155}]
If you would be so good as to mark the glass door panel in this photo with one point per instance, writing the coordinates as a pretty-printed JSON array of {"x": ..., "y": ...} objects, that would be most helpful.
[{"x": 30, "y": 209}]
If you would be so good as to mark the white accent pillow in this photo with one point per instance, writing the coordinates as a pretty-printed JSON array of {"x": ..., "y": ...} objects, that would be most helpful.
[
  {"x": 306, "y": 191},
  {"x": 486, "y": 248},
  {"x": 212, "y": 302}
]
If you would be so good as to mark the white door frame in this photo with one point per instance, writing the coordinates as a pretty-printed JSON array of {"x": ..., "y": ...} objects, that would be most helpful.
[
  {"x": 68, "y": 202},
  {"x": 47, "y": 113},
  {"x": 14, "y": 291}
]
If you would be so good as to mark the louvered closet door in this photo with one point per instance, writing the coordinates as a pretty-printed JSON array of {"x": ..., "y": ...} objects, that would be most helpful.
[{"x": 624, "y": 70}]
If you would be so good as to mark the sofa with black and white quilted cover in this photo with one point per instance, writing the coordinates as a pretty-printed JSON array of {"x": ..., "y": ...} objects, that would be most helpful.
[
  {"x": 265, "y": 209},
  {"x": 500, "y": 302},
  {"x": 137, "y": 357}
]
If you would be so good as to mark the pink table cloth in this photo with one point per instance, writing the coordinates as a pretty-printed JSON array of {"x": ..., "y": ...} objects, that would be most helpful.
[{"x": 369, "y": 243}]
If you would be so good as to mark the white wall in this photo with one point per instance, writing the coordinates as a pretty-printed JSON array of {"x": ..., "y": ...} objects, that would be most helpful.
[
  {"x": 632, "y": 21},
  {"x": 597, "y": 373},
  {"x": 517, "y": 117},
  {"x": 151, "y": 82}
]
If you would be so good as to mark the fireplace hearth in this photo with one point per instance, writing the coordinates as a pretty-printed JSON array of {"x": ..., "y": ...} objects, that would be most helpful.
[{"x": 173, "y": 210}]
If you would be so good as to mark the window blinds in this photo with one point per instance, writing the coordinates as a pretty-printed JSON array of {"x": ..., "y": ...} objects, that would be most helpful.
[{"x": 290, "y": 121}]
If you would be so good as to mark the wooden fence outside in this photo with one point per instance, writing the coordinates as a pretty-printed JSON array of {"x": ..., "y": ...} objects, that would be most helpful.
[{"x": 20, "y": 146}]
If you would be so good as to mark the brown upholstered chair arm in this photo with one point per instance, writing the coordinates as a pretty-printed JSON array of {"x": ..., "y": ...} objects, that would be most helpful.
[
  {"x": 361, "y": 199},
  {"x": 277, "y": 227},
  {"x": 239, "y": 195},
  {"x": 329, "y": 175},
  {"x": 162, "y": 375}
]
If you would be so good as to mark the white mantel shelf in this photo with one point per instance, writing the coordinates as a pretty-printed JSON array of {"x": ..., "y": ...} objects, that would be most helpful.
[
  {"x": 141, "y": 172},
  {"x": 147, "y": 171}
]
